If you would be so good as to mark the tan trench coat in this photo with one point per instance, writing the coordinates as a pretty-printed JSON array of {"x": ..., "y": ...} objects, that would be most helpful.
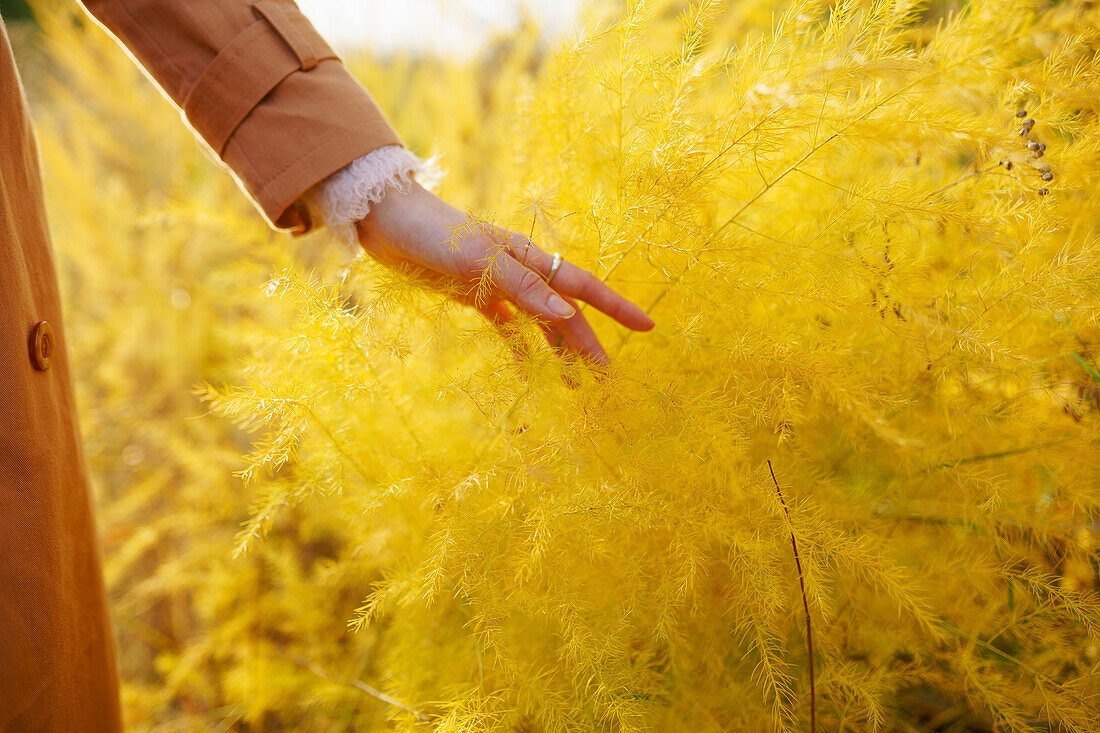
[{"x": 268, "y": 96}]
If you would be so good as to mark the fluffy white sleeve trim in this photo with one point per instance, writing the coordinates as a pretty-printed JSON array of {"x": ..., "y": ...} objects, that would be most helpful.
[{"x": 346, "y": 196}]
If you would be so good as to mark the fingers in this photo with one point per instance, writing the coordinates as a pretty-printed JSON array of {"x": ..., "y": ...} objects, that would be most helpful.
[
  {"x": 576, "y": 335},
  {"x": 412, "y": 231},
  {"x": 565, "y": 334},
  {"x": 497, "y": 312},
  {"x": 580, "y": 283},
  {"x": 529, "y": 290}
]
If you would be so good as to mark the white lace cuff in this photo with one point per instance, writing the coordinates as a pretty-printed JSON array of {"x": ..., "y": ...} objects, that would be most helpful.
[{"x": 346, "y": 196}]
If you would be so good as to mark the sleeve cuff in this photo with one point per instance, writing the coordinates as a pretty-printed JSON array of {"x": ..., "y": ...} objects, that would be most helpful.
[{"x": 347, "y": 195}]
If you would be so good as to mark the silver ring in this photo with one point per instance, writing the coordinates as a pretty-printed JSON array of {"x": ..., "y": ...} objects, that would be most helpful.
[{"x": 554, "y": 267}]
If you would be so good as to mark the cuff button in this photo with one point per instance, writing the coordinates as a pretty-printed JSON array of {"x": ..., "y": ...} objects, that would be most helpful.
[{"x": 41, "y": 345}]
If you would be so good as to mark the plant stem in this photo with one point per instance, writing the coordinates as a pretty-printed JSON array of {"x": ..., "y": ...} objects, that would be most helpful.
[
  {"x": 363, "y": 686},
  {"x": 805, "y": 603}
]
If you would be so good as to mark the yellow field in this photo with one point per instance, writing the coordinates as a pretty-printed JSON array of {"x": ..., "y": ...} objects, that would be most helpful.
[{"x": 331, "y": 500}]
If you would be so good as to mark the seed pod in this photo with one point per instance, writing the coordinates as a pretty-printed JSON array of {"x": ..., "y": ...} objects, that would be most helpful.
[
  {"x": 1040, "y": 150},
  {"x": 1008, "y": 165},
  {"x": 1042, "y": 192},
  {"x": 1047, "y": 176},
  {"x": 1027, "y": 125},
  {"x": 1021, "y": 113},
  {"x": 1033, "y": 145}
]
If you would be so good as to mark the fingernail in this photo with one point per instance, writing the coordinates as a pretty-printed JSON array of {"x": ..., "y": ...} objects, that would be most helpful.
[{"x": 559, "y": 307}]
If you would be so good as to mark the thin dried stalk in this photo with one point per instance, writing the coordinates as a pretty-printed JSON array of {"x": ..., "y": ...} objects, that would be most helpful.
[{"x": 805, "y": 604}]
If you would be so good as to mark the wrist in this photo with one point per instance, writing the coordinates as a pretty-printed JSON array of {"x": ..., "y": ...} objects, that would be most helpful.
[{"x": 348, "y": 195}]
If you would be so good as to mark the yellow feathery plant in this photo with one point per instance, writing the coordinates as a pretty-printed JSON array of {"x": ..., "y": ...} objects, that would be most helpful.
[
  {"x": 868, "y": 234},
  {"x": 861, "y": 274}
]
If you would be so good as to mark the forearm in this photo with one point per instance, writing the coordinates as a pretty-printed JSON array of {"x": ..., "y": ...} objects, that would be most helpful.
[{"x": 259, "y": 86}]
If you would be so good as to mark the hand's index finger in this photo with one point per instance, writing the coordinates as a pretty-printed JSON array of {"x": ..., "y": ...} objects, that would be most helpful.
[{"x": 580, "y": 283}]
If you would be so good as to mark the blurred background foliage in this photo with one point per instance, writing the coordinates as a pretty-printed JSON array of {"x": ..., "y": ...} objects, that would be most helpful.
[{"x": 832, "y": 215}]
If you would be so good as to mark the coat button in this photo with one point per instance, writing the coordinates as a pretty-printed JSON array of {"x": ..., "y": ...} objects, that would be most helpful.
[{"x": 41, "y": 343}]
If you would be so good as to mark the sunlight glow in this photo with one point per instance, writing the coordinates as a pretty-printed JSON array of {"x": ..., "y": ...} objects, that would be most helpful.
[{"x": 442, "y": 27}]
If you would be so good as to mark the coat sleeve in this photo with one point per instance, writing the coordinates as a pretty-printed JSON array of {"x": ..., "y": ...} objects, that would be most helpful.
[{"x": 260, "y": 86}]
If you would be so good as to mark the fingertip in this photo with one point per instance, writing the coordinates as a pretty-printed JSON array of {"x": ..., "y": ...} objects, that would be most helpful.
[{"x": 641, "y": 321}]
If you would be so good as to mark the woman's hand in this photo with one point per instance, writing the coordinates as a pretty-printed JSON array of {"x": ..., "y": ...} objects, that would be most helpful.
[{"x": 491, "y": 267}]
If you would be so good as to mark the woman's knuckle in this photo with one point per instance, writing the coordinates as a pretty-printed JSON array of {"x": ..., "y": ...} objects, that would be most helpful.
[{"x": 529, "y": 282}]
